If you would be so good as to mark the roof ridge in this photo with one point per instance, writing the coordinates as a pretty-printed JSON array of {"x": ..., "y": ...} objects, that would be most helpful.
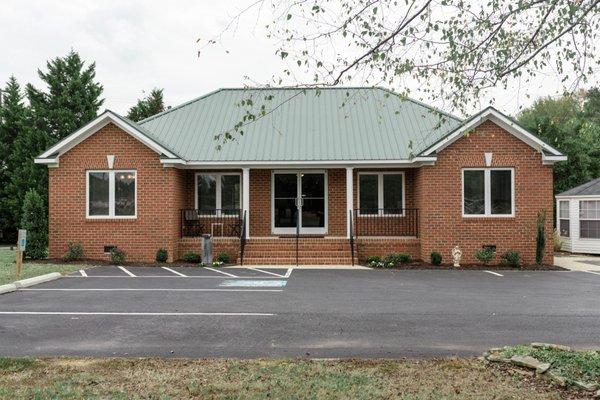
[{"x": 250, "y": 88}]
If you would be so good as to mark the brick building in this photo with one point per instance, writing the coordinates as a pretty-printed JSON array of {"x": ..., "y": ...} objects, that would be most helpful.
[{"x": 343, "y": 172}]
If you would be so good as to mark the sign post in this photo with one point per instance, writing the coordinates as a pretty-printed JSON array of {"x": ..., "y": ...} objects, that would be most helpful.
[{"x": 21, "y": 245}]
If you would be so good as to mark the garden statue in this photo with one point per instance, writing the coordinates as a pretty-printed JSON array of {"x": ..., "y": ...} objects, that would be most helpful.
[{"x": 456, "y": 255}]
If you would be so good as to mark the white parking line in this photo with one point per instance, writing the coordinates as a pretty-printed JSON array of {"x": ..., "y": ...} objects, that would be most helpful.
[
  {"x": 143, "y": 314},
  {"x": 167, "y": 276},
  {"x": 146, "y": 290},
  {"x": 592, "y": 272},
  {"x": 221, "y": 272},
  {"x": 175, "y": 272},
  {"x": 82, "y": 272},
  {"x": 266, "y": 272},
  {"x": 126, "y": 271},
  {"x": 288, "y": 273},
  {"x": 493, "y": 273}
]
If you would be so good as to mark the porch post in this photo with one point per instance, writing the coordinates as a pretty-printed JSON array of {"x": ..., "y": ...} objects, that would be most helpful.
[
  {"x": 246, "y": 198},
  {"x": 349, "y": 197}
]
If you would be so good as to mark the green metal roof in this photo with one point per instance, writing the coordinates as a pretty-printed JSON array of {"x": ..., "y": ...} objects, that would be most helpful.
[{"x": 320, "y": 124}]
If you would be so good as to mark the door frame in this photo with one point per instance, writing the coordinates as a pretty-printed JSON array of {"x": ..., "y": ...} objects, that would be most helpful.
[{"x": 303, "y": 231}]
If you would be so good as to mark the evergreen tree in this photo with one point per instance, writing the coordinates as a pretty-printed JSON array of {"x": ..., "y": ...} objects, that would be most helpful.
[
  {"x": 148, "y": 106},
  {"x": 72, "y": 98},
  {"x": 34, "y": 220},
  {"x": 12, "y": 114}
]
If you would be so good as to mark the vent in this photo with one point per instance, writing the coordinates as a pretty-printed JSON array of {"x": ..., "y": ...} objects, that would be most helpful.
[{"x": 109, "y": 248}]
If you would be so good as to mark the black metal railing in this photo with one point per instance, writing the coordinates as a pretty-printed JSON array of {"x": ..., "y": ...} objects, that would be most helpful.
[
  {"x": 217, "y": 222},
  {"x": 351, "y": 235},
  {"x": 386, "y": 222},
  {"x": 243, "y": 238}
]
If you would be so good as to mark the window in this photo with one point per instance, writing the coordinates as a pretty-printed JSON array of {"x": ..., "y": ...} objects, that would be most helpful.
[
  {"x": 111, "y": 194},
  {"x": 589, "y": 219},
  {"x": 563, "y": 218},
  {"x": 218, "y": 191},
  {"x": 488, "y": 192},
  {"x": 381, "y": 193}
]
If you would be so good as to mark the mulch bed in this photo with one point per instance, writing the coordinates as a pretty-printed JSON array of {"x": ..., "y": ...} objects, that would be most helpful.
[
  {"x": 475, "y": 267},
  {"x": 125, "y": 264}
]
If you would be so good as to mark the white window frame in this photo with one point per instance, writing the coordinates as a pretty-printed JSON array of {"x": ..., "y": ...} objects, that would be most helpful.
[
  {"x": 586, "y": 219},
  {"x": 218, "y": 205},
  {"x": 111, "y": 193},
  {"x": 487, "y": 182},
  {"x": 559, "y": 218},
  {"x": 380, "y": 196}
]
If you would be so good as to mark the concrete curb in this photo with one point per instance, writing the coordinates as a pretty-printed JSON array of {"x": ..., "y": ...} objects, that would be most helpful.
[
  {"x": 37, "y": 280},
  {"x": 11, "y": 287}
]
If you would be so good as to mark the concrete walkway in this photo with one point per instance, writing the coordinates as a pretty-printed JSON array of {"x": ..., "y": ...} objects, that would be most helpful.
[{"x": 578, "y": 262}]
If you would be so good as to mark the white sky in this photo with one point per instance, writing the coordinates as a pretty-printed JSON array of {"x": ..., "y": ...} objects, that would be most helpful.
[{"x": 138, "y": 45}]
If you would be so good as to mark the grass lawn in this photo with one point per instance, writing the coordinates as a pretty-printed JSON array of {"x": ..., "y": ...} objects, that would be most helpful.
[
  {"x": 7, "y": 268},
  {"x": 573, "y": 365},
  {"x": 263, "y": 379}
]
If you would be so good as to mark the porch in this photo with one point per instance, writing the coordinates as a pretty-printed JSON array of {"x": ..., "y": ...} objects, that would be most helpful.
[{"x": 308, "y": 216}]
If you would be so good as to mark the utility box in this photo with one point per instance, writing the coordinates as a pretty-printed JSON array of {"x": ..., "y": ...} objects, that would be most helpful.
[{"x": 207, "y": 249}]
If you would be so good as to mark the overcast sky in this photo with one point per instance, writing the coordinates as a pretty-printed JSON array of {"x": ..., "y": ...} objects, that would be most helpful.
[{"x": 138, "y": 45}]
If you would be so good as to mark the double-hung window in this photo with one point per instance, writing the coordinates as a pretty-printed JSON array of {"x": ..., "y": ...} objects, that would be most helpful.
[
  {"x": 563, "y": 218},
  {"x": 589, "y": 219},
  {"x": 488, "y": 192},
  {"x": 381, "y": 193},
  {"x": 111, "y": 194},
  {"x": 218, "y": 193}
]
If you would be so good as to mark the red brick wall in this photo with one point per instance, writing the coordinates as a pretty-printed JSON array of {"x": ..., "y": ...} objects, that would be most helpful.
[
  {"x": 336, "y": 202},
  {"x": 160, "y": 195},
  {"x": 438, "y": 191},
  {"x": 260, "y": 202},
  {"x": 381, "y": 247}
]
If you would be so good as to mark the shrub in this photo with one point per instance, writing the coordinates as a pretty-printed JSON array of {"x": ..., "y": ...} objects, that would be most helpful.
[
  {"x": 223, "y": 257},
  {"x": 396, "y": 259},
  {"x": 117, "y": 256},
  {"x": 74, "y": 251},
  {"x": 34, "y": 220},
  {"x": 540, "y": 241},
  {"x": 485, "y": 255},
  {"x": 192, "y": 257},
  {"x": 375, "y": 262},
  {"x": 162, "y": 255},
  {"x": 436, "y": 258},
  {"x": 217, "y": 263},
  {"x": 512, "y": 258}
]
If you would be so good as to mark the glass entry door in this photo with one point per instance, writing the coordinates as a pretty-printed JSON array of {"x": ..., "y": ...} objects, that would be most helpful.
[{"x": 299, "y": 197}]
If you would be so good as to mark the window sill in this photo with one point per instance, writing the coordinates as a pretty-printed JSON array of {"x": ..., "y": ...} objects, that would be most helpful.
[
  {"x": 110, "y": 219},
  {"x": 380, "y": 215},
  {"x": 488, "y": 216}
]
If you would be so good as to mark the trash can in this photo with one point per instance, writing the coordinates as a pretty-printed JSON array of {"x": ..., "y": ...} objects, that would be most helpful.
[{"x": 207, "y": 251}]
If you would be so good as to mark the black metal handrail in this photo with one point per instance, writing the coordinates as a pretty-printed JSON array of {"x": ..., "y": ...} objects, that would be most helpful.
[
  {"x": 217, "y": 222},
  {"x": 351, "y": 235},
  {"x": 243, "y": 238},
  {"x": 386, "y": 222}
]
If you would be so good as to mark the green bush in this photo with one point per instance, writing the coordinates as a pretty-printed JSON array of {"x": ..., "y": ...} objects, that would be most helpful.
[
  {"x": 224, "y": 257},
  {"x": 436, "y": 258},
  {"x": 192, "y": 257},
  {"x": 117, "y": 256},
  {"x": 34, "y": 220},
  {"x": 512, "y": 258},
  {"x": 375, "y": 262},
  {"x": 485, "y": 255},
  {"x": 396, "y": 259},
  {"x": 74, "y": 251},
  {"x": 162, "y": 255}
]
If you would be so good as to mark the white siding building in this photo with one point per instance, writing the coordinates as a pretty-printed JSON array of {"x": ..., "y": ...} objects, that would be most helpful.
[{"x": 578, "y": 218}]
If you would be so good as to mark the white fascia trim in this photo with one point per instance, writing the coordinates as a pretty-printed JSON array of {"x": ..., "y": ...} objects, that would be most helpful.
[
  {"x": 417, "y": 161},
  {"x": 102, "y": 120},
  {"x": 504, "y": 122},
  {"x": 579, "y": 196},
  {"x": 48, "y": 161},
  {"x": 550, "y": 160}
]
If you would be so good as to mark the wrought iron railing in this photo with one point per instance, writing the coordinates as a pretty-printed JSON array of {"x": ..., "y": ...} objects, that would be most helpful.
[
  {"x": 217, "y": 222},
  {"x": 351, "y": 235},
  {"x": 386, "y": 222},
  {"x": 243, "y": 238}
]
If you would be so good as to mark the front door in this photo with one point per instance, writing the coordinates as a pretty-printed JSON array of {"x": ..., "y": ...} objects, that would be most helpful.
[{"x": 299, "y": 201}]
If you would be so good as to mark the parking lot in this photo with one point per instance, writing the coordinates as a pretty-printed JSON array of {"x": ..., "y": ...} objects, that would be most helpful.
[{"x": 284, "y": 312}]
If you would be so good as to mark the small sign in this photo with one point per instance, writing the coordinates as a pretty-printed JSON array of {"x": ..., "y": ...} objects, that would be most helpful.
[{"x": 22, "y": 243}]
